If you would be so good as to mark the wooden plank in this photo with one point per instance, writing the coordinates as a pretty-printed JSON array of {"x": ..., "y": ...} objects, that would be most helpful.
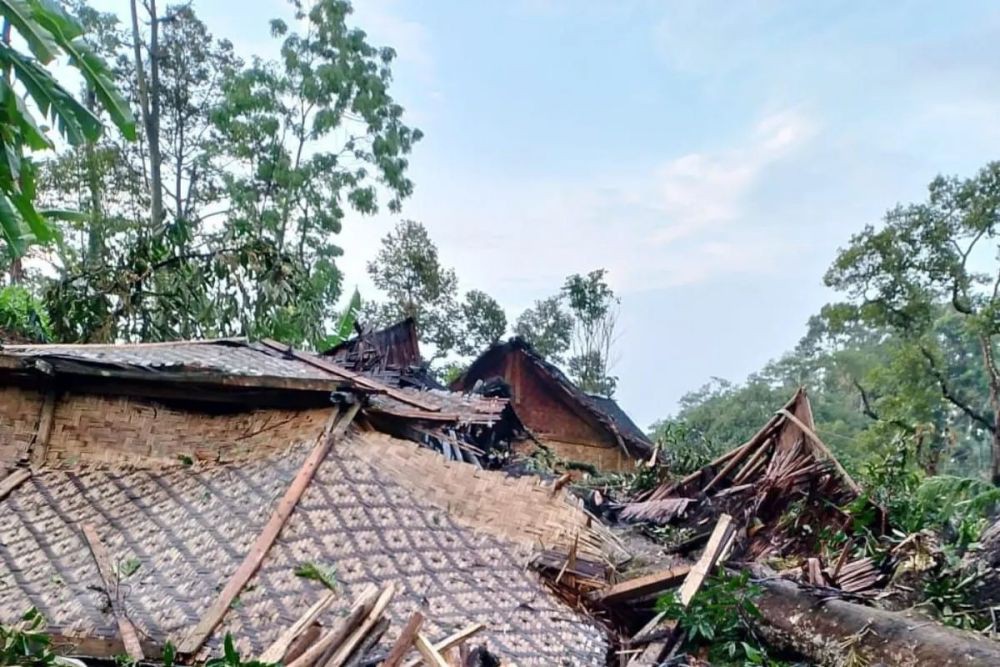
[
  {"x": 339, "y": 632},
  {"x": 717, "y": 543},
  {"x": 641, "y": 586},
  {"x": 40, "y": 443},
  {"x": 130, "y": 638},
  {"x": 452, "y": 640},
  {"x": 13, "y": 480},
  {"x": 429, "y": 653},
  {"x": 357, "y": 378},
  {"x": 197, "y": 636},
  {"x": 369, "y": 621},
  {"x": 854, "y": 486},
  {"x": 276, "y": 651},
  {"x": 404, "y": 641}
]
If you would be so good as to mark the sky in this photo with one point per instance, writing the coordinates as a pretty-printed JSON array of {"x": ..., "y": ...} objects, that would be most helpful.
[{"x": 712, "y": 156}]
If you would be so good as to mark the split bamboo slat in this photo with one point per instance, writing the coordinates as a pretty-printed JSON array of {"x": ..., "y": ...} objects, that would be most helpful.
[{"x": 335, "y": 638}]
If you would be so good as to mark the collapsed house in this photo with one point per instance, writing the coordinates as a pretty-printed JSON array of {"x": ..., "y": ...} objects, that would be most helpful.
[
  {"x": 171, "y": 492},
  {"x": 575, "y": 425}
]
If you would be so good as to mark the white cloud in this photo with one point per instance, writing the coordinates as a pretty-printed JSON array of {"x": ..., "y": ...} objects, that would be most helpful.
[
  {"x": 701, "y": 189},
  {"x": 689, "y": 220}
]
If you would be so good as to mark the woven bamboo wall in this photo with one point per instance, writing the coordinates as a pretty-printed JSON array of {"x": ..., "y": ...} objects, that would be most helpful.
[
  {"x": 521, "y": 509},
  {"x": 19, "y": 412},
  {"x": 116, "y": 429},
  {"x": 606, "y": 459}
]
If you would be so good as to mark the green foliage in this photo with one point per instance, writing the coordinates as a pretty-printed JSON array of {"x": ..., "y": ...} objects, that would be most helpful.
[
  {"x": 346, "y": 324},
  {"x": 547, "y": 327},
  {"x": 325, "y": 575},
  {"x": 23, "y": 317},
  {"x": 265, "y": 159},
  {"x": 129, "y": 567},
  {"x": 720, "y": 617},
  {"x": 594, "y": 306},
  {"x": 483, "y": 322},
  {"x": 26, "y": 642},
  {"x": 49, "y": 32},
  {"x": 924, "y": 277},
  {"x": 407, "y": 269},
  {"x": 231, "y": 658}
]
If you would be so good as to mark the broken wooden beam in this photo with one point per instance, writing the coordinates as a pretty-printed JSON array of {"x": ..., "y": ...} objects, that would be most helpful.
[
  {"x": 432, "y": 657},
  {"x": 640, "y": 587},
  {"x": 13, "y": 480},
  {"x": 405, "y": 640},
  {"x": 276, "y": 650},
  {"x": 374, "y": 615},
  {"x": 452, "y": 640},
  {"x": 130, "y": 638},
  {"x": 335, "y": 638},
  {"x": 355, "y": 378},
  {"x": 258, "y": 550}
]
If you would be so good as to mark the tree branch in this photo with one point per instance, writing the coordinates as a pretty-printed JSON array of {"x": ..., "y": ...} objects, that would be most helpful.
[{"x": 950, "y": 395}]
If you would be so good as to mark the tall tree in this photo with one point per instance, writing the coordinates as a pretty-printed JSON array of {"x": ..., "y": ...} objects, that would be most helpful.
[
  {"x": 248, "y": 248},
  {"x": 548, "y": 327},
  {"x": 940, "y": 250},
  {"x": 149, "y": 101},
  {"x": 594, "y": 306},
  {"x": 483, "y": 322},
  {"x": 407, "y": 269}
]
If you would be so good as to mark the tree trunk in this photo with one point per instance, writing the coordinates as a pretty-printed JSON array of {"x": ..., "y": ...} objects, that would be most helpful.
[
  {"x": 149, "y": 102},
  {"x": 834, "y": 632}
]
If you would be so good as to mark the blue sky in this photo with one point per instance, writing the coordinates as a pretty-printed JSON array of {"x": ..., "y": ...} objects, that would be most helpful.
[{"x": 711, "y": 155}]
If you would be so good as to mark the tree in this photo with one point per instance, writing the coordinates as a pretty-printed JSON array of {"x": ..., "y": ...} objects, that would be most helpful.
[
  {"x": 49, "y": 32},
  {"x": 407, "y": 269},
  {"x": 896, "y": 277},
  {"x": 594, "y": 306},
  {"x": 547, "y": 327},
  {"x": 258, "y": 165},
  {"x": 483, "y": 320}
]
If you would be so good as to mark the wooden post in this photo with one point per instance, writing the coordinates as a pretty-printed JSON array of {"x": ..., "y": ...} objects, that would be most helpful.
[{"x": 40, "y": 443}]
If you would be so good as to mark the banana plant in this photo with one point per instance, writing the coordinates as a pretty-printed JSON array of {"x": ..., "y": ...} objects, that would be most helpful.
[
  {"x": 30, "y": 97},
  {"x": 345, "y": 326}
]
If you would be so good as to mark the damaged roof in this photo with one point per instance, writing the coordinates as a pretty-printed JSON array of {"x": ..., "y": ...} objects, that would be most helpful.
[
  {"x": 604, "y": 409},
  {"x": 392, "y": 355},
  {"x": 231, "y": 357},
  {"x": 188, "y": 529}
]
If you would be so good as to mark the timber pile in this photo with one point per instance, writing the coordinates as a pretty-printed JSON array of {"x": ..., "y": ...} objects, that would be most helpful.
[
  {"x": 780, "y": 480},
  {"x": 352, "y": 640}
]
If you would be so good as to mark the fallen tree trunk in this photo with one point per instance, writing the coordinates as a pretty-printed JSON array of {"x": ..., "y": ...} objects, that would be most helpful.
[{"x": 834, "y": 632}]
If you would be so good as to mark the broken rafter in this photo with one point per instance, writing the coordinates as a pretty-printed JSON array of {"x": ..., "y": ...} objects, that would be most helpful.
[
  {"x": 197, "y": 636},
  {"x": 356, "y": 378},
  {"x": 451, "y": 641},
  {"x": 276, "y": 651},
  {"x": 854, "y": 486},
  {"x": 13, "y": 480},
  {"x": 128, "y": 634},
  {"x": 641, "y": 586},
  {"x": 404, "y": 641}
]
